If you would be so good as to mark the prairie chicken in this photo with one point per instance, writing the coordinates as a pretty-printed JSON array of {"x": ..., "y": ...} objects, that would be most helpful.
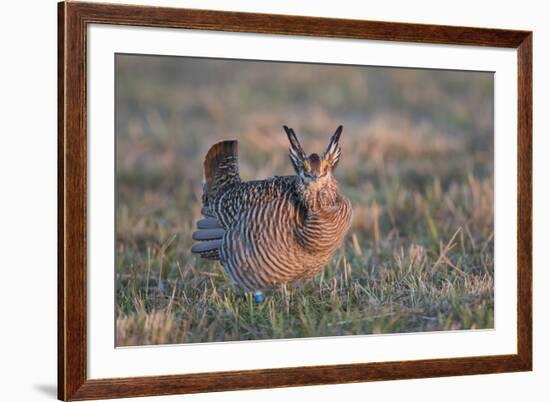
[{"x": 275, "y": 231}]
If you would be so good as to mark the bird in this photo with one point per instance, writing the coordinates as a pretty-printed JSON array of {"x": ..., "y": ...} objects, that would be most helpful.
[{"x": 276, "y": 231}]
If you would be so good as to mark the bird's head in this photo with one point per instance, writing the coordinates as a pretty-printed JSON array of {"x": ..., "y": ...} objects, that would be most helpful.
[{"x": 314, "y": 168}]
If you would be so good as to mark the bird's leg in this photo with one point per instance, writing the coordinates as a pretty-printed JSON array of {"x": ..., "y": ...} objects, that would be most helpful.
[
  {"x": 258, "y": 296},
  {"x": 285, "y": 291}
]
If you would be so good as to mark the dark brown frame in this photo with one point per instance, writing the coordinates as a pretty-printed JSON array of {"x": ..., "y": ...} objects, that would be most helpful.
[{"x": 73, "y": 19}]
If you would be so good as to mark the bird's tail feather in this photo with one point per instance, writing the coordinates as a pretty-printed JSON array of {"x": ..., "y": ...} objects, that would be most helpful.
[
  {"x": 209, "y": 236},
  {"x": 208, "y": 249},
  {"x": 221, "y": 168}
]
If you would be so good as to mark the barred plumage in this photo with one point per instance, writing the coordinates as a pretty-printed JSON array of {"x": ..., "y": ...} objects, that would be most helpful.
[{"x": 275, "y": 231}]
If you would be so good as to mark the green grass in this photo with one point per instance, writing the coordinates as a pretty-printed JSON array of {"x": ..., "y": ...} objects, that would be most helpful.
[
  {"x": 416, "y": 164},
  {"x": 430, "y": 278}
]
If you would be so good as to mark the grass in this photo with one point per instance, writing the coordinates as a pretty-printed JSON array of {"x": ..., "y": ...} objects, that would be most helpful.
[{"x": 417, "y": 166}]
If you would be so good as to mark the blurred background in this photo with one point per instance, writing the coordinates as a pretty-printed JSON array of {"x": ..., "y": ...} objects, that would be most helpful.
[{"x": 417, "y": 165}]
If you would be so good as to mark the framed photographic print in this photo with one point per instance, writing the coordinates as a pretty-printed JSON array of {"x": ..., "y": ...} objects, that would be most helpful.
[{"x": 252, "y": 201}]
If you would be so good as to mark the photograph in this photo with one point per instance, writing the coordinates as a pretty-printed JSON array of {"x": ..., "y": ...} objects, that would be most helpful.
[{"x": 265, "y": 200}]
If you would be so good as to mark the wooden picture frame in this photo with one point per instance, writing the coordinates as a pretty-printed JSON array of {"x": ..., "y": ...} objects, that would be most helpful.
[{"x": 73, "y": 19}]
